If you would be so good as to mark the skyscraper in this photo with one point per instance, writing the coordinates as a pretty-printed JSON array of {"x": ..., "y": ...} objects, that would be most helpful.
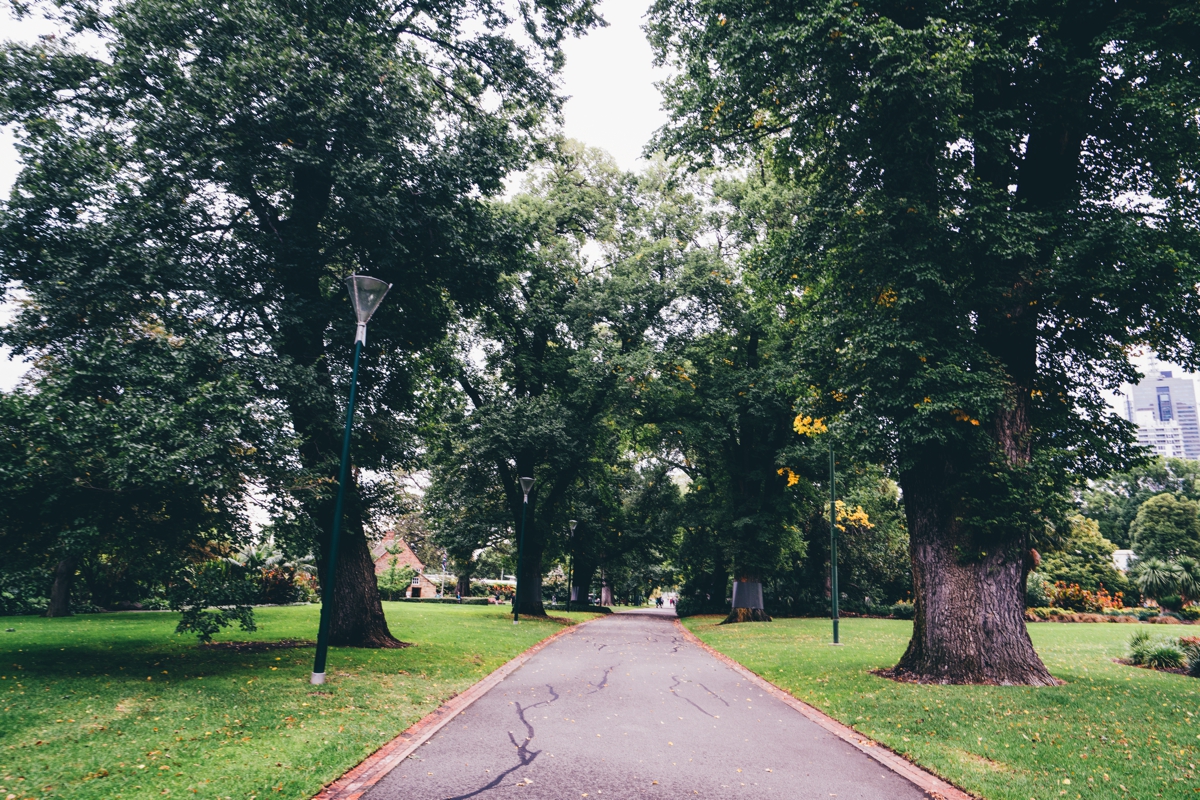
[{"x": 1164, "y": 409}]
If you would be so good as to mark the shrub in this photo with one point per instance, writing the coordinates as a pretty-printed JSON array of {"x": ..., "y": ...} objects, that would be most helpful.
[
  {"x": 1036, "y": 595},
  {"x": 1139, "y": 646},
  {"x": 903, "y": 610},
  {"x": 1165, "y": 655},
  {"x": 1073, "y": 598},
  {"x": 1146, "y": 613},
  {"x": 1171, "y": 602},
  {"x": 228, "y": 589},
  {"x": 1190, "y": 645},
  {"x": 690, "y": 606},
  {"x": 1190, "y": 613},
  {"x": 1164, "y": 619}
]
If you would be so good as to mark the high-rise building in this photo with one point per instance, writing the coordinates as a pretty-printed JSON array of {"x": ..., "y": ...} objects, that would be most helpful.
[{"x": 1164, "y": 409}]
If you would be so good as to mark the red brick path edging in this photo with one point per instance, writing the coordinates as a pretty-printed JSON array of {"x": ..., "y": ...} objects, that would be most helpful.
[
  {"x": 926, "y": 781},
  {"x": 355, "y": 783}
]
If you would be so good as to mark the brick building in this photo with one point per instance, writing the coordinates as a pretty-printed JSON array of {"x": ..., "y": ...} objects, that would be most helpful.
[{"x": 392, "y": 546}]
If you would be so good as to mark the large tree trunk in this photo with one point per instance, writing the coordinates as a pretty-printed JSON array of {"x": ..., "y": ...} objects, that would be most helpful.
[
  {"x": 747, "y": 602},
  {"x": 60, "y": 591},
  {"x": 581, "y": 587},
  {"x": 969, "y": 625},
  {"x": 463, "y": 585},
  {"x": 357, "y": 619},
  {"x": 305, "y": 314},
  {"x": 530, "y": 576},
  {"x": 606, "y": 595}
]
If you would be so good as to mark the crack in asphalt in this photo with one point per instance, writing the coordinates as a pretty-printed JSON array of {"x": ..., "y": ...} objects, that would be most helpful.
[
  {"x": 525, "y": 756},
  {"x": 604, "y": 682},
  {"x": 678, "y": 682},
  {"x": 710, "y": 691}
]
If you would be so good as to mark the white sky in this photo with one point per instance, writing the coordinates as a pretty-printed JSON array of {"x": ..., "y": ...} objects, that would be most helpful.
[{"x": 609, "y": 78}]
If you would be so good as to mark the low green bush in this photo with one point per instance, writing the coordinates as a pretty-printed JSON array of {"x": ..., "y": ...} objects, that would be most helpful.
[
  {"x": 1171, "y": 602},
  {"x": 690, "y": 606},
  {"x": 1146, "y": 613},
  {"x": 1190, "y": 613},
  {"x": 1190, "y": 645},
  {"x": 1139, "y": 647},
  {"x": 1165, "y": 655},
  {"x": 903, "y": 610},
  {"x": 1036, "y": 595}
]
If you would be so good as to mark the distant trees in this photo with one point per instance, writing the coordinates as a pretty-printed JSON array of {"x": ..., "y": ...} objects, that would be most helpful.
[
  {"x": 546, "y": 369},
  {"x": 1113, "y": 501},
  {"x": 1166, "y": 527}
]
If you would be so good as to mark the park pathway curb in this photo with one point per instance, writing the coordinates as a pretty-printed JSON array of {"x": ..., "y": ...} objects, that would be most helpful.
[
  {"x": 355, "y": 783},
  {"x": 926, "y": 781}
]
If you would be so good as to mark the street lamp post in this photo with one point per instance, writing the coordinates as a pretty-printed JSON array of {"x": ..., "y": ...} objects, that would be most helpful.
[
  {"x": 833, "y": 581},
  {"x": 526, "y": 485},
  {"x": 366, "y": 294},
  {"x": 570, "y": 541}
]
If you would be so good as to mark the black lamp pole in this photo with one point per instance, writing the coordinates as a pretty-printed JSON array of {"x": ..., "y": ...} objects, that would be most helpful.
[
  {"x": 570, "y": 542},
  {"x": 366, "y": 294},
  {"x": 526, "y": 485},
  {"x": 833, "y": 558}
]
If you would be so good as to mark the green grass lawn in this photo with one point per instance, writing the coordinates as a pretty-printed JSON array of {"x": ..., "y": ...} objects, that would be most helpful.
[
  {"x": 118, "y": 705},
  {"x": 1111, "y": 731}
]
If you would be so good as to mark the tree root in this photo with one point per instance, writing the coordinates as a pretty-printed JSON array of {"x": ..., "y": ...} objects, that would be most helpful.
[{"x": 746, "y": 615}]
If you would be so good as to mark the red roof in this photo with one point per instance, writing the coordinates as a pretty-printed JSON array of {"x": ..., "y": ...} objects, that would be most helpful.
[{"x": 403, "y": 554}]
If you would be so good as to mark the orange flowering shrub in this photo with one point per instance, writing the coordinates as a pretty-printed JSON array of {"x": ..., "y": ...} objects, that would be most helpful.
[{"x": 1074, "y": 598}]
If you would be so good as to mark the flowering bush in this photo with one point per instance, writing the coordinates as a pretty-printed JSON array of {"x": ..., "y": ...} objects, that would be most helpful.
[{"x": 1071, "y": 597}]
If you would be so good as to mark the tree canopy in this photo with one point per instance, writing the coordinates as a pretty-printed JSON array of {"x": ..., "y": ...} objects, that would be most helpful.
[
  {"x": 233, "y": 161},
  {"x": 971, "y": 257}
]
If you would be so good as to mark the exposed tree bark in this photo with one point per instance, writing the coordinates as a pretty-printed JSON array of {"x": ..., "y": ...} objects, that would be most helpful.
[
  {"x": 60, "y": 591},
  {"x": 606, "y": 595},
  {"x": 747, "y": 602},
  {"x": 969, "y": 623},
  {"x": 463, "y": 586},
  {"x": 581, "y": 586},
  {"x": 530, "y": 577}
]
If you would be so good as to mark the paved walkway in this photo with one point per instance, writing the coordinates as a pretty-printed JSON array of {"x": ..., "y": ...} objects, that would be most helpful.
[{"x": 625, "y": 707}]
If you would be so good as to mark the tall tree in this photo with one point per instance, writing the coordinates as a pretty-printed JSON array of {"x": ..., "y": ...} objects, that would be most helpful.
[
  {"x": 1002, "y": 201},
  {"x": 126, "y": 460},
  {"x": 235, "y": 159}
]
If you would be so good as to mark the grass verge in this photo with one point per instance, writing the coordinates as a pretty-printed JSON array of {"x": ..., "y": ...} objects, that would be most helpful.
[
  {"x": 1111, "y": 731},
  {"x": 119, "y": 706}
]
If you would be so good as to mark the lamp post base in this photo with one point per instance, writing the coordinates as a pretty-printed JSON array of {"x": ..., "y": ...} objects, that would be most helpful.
[{"x": 317, "y": 678}]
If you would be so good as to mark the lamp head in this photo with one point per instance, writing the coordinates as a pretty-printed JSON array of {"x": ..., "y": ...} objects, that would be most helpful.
[
  {"x": 526, "y": 485},
  {"x": 572, "y": 523},
  {"x": 366, "y": 293}
]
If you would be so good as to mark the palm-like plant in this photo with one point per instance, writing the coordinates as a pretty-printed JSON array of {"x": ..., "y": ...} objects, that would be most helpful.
[
  {"x": 1188, "y": 582},
  {"x": 1157, "y": 578}
]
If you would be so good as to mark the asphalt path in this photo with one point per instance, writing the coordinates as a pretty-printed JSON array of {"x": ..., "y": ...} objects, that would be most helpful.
[{"x": 625, "y": 707}]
